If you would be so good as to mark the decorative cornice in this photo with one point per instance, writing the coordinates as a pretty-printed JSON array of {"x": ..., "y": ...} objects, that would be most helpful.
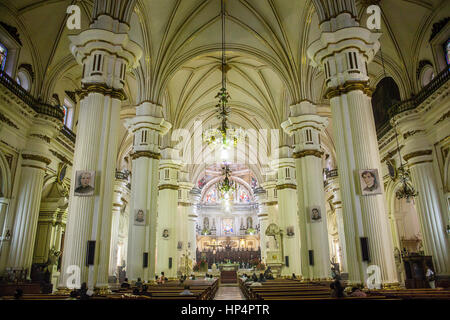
[
  {"x": 147, "y": 154},
  {"x": 167, "y": 186},
  {"x": 411, "y": 133},
  {"x": 444, "y": 116},
  {"x": 7, "y": 121},
  {"x": 347, "y": 87},
  {"x": 102, "y": 89},
  {"x": 12, "y": 31},
  {"x": 286, "y": 186},
  {"x": 417, "y": 154},
  {"x": 60, "y": 157},
  {"x": 41, "y": 136},
  {"x": 35, "y": 157},
  {"x": 305, "y": 153}
]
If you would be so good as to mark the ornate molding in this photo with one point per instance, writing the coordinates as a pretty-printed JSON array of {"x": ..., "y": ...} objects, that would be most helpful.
[
  {"x": 168, "y": 186},
  {"x": 34, "y": 157},
  {"x": 411, "y": 133},
  {"x": 147, "y": 154},
  {"x": 444, "y": 116},
  {"x": 12, "y": 31},
  {"x": 305, "y": 153},
  {"x": 41, "y": 136},
  {"x": 286, "y": 186},
  {"x": 417, "y": 154},
  {"x": 347, "y": 87},
  {"x": 4, "y": 119},
  {"x": 61, "y": 157},
  {"x": 102, "y": 89}
]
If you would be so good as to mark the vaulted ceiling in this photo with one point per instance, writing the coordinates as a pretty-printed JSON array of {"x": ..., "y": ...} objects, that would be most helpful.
[{"x": 266, "y": 52}]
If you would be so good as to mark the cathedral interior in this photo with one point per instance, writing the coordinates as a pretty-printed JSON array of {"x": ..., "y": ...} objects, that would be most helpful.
[{"x": 305, "y": 140}]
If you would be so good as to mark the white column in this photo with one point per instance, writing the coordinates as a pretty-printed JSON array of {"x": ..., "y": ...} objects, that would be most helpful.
[
  {"x": 148, "y": 126},
  {"x": 418, "y": 153},
  {"x": 288, "y": 211},
  {"x": 194, "y": 195},
  {"x": 306, "y": 127},
  {"x": 183, "y": 221},
  {"x": 105, "y": 57},
  {"x": 263, "y": 217},
  {"x": 35, "y": 160},
  {"x": 344, "y": 55},
  {"x": 117, "y": 206},
  {"x": 167, "y": 247}
]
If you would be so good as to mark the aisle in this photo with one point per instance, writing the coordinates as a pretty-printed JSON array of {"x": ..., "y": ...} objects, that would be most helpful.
[{"x": 229, "y": 293}]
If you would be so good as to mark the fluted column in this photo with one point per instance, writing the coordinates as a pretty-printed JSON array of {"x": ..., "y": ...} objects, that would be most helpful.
[
  {"x": 148, "y": 126},
  {"x": 194, "y": 195},
  {"x": 184, "y": 210},
  {"x": 333, "y": 189},
  {"x": 35, "y": 159},
  {"x": 105, "y": 56},
  {"x": 306, "y": 127},
  {"x": 263, "y": 217},
  {"x": 418, "y": 152},
  {"x": 288, "y": 216},
  {"x": 119, "y": 187},
  {"x": 344, "y": 55},
  {"x": 167, "y": 246}
]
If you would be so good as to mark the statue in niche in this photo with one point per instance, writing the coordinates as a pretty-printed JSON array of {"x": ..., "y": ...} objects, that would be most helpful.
[
  {"x": 249, "y": 223},
  {"x": 206, "y": 223}
]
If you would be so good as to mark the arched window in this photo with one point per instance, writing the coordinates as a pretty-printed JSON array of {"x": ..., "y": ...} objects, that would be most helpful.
[
  {"x": 23, "y": 79},
  {"x": 68, "y": 113},
  {"x": 385, "y": 95},
  {"x": 3, "y": 54}
]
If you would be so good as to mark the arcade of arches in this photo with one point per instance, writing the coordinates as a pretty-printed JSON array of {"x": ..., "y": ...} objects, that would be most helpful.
[{"x": 103, "y": 165}]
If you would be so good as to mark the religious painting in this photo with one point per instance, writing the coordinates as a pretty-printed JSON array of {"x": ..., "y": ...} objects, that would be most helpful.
[
  {"x": 165, "y": 233},
  {"x": 62, "y": 169},
  {"x": 139, "y": 217},
  {"x": 180, "y": 245},
  {"x": 84, "y": 183},
  {"x": 369, "y": 182},
  {"x": 315, "y": 214},
  {"x": 290, "y": 231},
  {"x": 228, "y": 226}
]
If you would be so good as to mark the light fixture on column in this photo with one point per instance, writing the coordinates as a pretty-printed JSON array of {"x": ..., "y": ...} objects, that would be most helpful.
[
  {"x": 406, "y": 190},
  {"x": 223, "y": 137}
]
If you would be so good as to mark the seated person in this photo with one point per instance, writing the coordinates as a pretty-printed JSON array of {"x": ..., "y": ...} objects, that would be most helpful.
[
  {"x": 138, "y": 283},
  {"x": 337, "y": 290},
  {"x": 254, "y": 277},
  {"x": 186, "y": 291},
  {"x": 268, "y": 274},
  {"x": 125, "y": 284},
  {"x": 294, "y": 277},
  {"x": 261, "y": 278}
]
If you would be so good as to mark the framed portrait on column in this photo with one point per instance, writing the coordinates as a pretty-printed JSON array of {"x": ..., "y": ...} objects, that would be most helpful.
[
  {"x": 315, "y": 214},
  {"x": 139, "y": 217},
  {"x": 369, "y": 181},
  {"x": 84, "y": 183}
]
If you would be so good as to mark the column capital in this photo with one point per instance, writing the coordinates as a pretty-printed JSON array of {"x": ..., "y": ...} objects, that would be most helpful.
[
  {"x": 344, "y": 55},
  {"x": 96, "y": 48}
]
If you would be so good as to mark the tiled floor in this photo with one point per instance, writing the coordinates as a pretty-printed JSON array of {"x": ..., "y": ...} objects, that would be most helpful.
[{"x": 229, "y": 293}]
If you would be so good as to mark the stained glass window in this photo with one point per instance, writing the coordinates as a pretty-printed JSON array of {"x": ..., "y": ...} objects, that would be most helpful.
[
  {"x": 447, "y": 52},
  {"x": 66, "y": 114},
  {"x": 3, "y": 54},
  {"x": 211, "y": 196}
]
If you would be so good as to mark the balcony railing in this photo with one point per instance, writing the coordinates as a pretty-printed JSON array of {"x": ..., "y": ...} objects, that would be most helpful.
[
  {"x": 25, "y": 96},
  {"x": 427, "y": 91},
  {"x": 68, "y": 133}
]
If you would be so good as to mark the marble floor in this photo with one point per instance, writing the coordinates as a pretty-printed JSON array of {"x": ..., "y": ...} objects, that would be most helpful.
[{"x": 229, "y": 293}]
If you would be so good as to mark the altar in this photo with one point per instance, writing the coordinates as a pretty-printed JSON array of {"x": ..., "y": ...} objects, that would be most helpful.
[{"x": 228, "y": 266}]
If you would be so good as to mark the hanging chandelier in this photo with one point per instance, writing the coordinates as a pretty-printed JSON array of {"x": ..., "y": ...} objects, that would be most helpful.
[
  {"x": 407, "y": 190},
  {"x": 226, "y": 187},
  {"x": 223, "y": 136}
]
